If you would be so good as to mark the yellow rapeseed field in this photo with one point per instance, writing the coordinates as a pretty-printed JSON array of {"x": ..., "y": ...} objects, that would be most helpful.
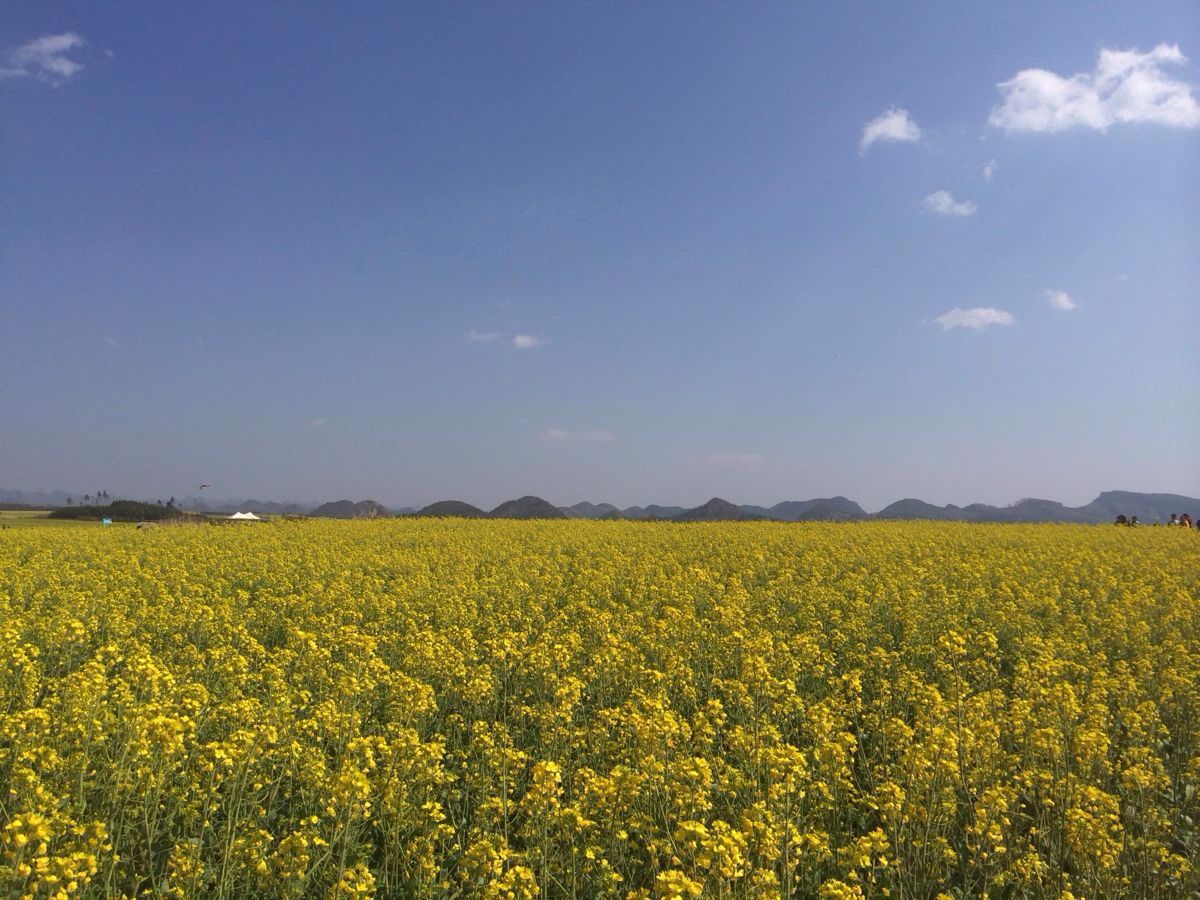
[{"x": 578, "y": 709}]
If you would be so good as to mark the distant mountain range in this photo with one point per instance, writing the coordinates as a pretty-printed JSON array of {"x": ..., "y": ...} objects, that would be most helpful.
[
  {"x": 268, "y": 507},
  {"x": 1149, "y": 508}
]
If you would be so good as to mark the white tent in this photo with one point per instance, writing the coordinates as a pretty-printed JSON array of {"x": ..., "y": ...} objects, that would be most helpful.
[{"x": 245, "y": 517}]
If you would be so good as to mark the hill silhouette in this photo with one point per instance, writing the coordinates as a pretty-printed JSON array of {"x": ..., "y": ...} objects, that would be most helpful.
[
  {"x": 911, "y": 508},
  {"x": 446, "y": 508},
  {"x": 653, "y": 511},
  {"x": 1033, "y": 509},
  {"x": 1147, "y": 507},
  {"x": 527, "y": 507},
  {"x": 587, "y": 510},
  {"x": 715, "y": 510},
  {"x": 793, "y": 510},
  {"x": 825, "y": 511}
]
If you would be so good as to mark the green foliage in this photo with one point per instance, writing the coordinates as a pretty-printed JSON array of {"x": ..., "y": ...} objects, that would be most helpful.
[{"x": 122, "y": 511}]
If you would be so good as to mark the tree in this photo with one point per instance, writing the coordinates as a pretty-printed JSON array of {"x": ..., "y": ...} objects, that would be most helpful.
[
  {"x": 87, "y": 498},
  {"x": 69, "y": 501}
]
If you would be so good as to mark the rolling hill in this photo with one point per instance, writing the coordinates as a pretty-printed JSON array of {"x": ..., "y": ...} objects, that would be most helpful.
[
  {"x": 527, "y": 507},
  {"x": 653, "y": 511},
  {"x": 451, "y": 508},
  {"x": 794, "y": 510},
  {"x": 585, "y": 510},
  {"x": 715, "y": 510},
  {"x": 911, "y": 508}
]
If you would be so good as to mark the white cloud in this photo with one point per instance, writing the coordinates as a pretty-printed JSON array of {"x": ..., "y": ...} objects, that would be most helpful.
[
  {"x": 1125, "y": 86},
  {"x": 745, "y": 460},
  {"x": 944, "y": 204},
  {"x": 977, "y": 317},
  {"x": 989, "y": 170},
  {"x": 482, "y": 337},
  {"x": 597, "y": 436},
  {"x": 520, "y": 341},
  {"x": 890, "y": 126},
  {"x": 1061, "y": 300},
  {"x": 44, "y": 58}
]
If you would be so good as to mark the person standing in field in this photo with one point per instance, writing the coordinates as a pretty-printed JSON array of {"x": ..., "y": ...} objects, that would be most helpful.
[{"x": 1174, "y": 519}]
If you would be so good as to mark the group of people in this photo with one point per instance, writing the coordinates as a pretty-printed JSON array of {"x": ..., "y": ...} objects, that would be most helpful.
[{"x": 1185, "y": 520}]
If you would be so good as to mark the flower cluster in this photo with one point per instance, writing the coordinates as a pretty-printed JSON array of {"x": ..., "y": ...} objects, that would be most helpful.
[{"x": 578, "y": 709}]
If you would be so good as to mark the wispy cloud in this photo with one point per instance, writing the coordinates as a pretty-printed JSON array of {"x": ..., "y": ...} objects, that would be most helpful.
[
  {"x": 318, "y": 423},
  {"x": 890, "y": 126},
  {"x": 976, "y": 318},
  {"x": 944, "y": 204},
  {"x": 594, "y": 436},
  {"x": 989, "y": 170},
  {"x": 1125, "y": 86},
  {"x": 520, "y": 341},
  {"x": 1060, "y": 300},
  {"x": 742, "y": 460},
  {"x": 44, "y": 58},
  {"x": 482, "y": 337}
]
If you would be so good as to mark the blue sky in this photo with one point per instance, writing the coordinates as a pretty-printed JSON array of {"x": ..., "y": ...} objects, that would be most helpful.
[{"x": 619, "y": 252}]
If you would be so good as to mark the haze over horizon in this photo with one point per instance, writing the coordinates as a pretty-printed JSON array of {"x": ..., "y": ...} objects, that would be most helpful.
[
  {"x": 613, "y": 253},
  {"x": 201, "y": 500}
]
